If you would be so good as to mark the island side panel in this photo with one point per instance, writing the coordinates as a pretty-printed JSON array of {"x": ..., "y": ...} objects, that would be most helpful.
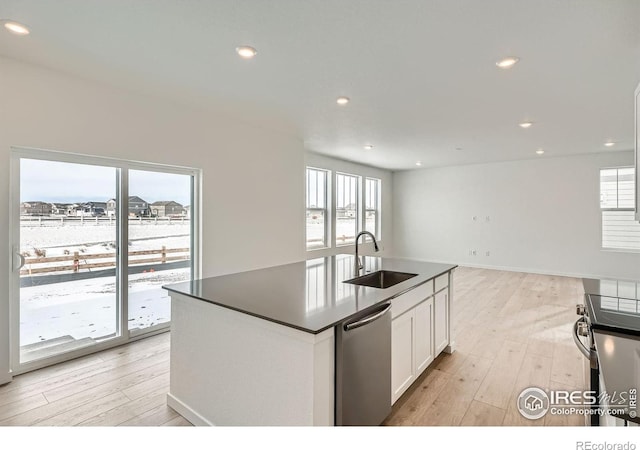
[
  {"x": 230, "y": 368},
  {"x": 452, "y": 344}
]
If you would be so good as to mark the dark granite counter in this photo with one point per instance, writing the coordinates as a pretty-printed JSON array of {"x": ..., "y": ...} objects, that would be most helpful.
[
  {"x": 613, "y": 305},
  {"x": 309, "y": 295}
]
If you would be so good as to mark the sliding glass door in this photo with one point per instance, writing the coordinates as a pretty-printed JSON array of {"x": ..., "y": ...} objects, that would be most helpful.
[
  {"x": 159, "y": 239},
  {"x": 94, "y": 241},
  {"x": 67, "y": 293}
]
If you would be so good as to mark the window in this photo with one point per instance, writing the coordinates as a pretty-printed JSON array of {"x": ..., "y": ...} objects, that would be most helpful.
[
  {"x": 95, "y": 240},
  {"x": 620, "y": 231},
  {"x": 338, "y": 206},
  {"x": 317, "y": 211},
  {"x": 346, "y": 208},
  {"x": 372, "y": 206}
]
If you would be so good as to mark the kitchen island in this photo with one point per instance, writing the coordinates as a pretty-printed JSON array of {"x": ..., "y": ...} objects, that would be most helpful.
[{"x": 258, "y": 347}]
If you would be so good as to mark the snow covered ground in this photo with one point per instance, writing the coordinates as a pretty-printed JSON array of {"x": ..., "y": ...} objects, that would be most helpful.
[
  {"x": 345, "y": 231},
  {"x": 87, "y": 308},
  {"x": 99, "y": 237}
]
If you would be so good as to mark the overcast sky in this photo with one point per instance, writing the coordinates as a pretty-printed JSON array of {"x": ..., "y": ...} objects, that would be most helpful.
[{"x": 52, "y": 181}]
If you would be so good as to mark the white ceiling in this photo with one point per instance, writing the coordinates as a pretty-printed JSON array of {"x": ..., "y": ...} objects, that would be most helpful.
[{"x": 421, "y": 74}]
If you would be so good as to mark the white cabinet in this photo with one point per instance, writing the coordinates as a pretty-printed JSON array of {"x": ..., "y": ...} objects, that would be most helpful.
[
  {"x": 411, "y": 346},
  {"x": 402, "y": 354},
  {"x": 441, "y": 321},
  {"x": 419, "y": 331},
  {"x": 423, "y": 335}
]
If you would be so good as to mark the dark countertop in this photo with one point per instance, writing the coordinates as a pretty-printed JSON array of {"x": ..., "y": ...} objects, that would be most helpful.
[
  {"x": 613, "y": 305},
  {"x": 307, "y": 295},
  {"x": 612, "y": 288}
]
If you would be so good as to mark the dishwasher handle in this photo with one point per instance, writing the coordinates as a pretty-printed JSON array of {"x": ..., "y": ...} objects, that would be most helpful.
[
  {"x": 368, "y": 319},
  {"x": 576, "y": 338}
]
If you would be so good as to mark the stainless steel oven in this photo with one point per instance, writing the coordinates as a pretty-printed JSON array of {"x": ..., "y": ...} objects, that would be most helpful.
[
  {"x": 608, "y": 335},
  {"x": 584, "y": 340}
]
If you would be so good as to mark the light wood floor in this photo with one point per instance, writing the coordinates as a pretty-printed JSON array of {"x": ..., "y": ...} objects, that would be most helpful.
[
  {"x": 122, "y": 386},
  {"x": 512, "y": 330}
]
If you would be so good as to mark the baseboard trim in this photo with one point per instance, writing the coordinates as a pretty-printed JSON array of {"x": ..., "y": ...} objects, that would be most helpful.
[
  {"x": 186, "y": 412},
  {"x": 520, "y": 269}
]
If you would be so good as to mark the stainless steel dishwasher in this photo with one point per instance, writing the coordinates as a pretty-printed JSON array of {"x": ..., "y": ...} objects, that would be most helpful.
[{"x": 363, "y": 368}]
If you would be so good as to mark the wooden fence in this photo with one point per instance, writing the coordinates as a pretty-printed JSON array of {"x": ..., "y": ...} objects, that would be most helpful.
[
  {"x": 39, "y": 221},
  {"x": 79, "y": 261}
]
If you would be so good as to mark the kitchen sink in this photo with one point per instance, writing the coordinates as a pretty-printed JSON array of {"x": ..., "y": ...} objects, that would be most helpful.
[{"x": 381, "y": 279}]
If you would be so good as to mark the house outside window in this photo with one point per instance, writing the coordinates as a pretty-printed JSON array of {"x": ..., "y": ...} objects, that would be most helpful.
[
  {"x": 167, "y": 209},
  {"x": 338, "y": 206},
  {"x": 620, "y": 231},
  {"x": 372, "y": 206},
  {"x": 138, "y": 207},
  {"x": 317, "y": 217},
  {"x": 346, "y": 208},
  {"x": 111, "y": 207}
]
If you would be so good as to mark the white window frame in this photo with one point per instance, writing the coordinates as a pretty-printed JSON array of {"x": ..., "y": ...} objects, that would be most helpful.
[
  {"x": 330, "y": 210},
  {"x": 122, "y": 187},
  {"x": 604, "y": 210},
  {"x": 358, "y": 209},
  {"x": 326, "y": 210},
  {"x": 378, "y": 206}
]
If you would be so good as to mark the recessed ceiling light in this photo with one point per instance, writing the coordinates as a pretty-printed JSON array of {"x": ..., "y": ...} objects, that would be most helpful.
[
  {"x": 525, "y": 124},
  {"x": 368, "y": 147},
  {"x": 342, "y": 100},
  {"x": 246, "y": 52},
  {"x": 418, "y": 163},
  {"x": 609, "y": 144},
  {"x": 507, "y": 62},
  {"x": 16, "y": 28},
  {"x": 540, "y": 151}
]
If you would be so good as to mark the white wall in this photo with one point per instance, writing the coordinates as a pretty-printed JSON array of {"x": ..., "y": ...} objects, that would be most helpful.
[
  {"x": 543, "y": 216},
  {"x": 246, "y": 224},
  {"x": 386, "y": 177}
]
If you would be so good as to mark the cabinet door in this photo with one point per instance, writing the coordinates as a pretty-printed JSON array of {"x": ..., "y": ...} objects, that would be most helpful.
[
  {"x": 423, "y": 335},
  {"x": 441, "y": 321},
  {"x": 402, "y": 354}
]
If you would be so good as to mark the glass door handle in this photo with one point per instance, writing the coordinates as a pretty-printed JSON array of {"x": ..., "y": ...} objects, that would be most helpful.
[{"x": 22, "y": 261}]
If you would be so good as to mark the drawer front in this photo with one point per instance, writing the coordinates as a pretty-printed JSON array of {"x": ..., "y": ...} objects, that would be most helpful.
[
  {"x": 442, "y": 282},
  {"x": 412, "y": 298}
]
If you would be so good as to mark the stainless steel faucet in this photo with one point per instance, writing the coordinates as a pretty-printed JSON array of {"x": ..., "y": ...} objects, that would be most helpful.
[{"x": 358, "y": 264}]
